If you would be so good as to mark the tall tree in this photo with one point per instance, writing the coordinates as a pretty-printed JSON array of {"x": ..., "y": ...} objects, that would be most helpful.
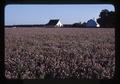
[{"x": 106, "y": 18}]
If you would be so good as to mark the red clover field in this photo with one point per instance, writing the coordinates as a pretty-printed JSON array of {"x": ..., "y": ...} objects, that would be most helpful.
[{"x": 59, "y": 53}]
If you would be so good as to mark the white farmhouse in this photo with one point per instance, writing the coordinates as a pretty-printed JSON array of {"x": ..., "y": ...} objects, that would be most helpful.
[{"x": 54, "y": 23}]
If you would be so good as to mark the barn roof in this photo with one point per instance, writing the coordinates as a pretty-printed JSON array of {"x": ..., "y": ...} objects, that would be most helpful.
[
  {"x": 53, "y": 22},
  {"x": 91, "y": 23}
]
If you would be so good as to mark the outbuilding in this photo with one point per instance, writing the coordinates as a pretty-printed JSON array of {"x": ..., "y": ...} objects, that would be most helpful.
[
  {"x": 91, "y": 23},
  {"x": 54, "y": 23}
]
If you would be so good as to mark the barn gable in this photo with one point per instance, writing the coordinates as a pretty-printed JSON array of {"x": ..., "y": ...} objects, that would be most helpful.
[{"x": 54, "y": 23}]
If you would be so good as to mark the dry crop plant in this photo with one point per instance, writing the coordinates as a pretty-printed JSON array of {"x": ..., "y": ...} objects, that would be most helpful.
[{"x": 59, "y": 53}]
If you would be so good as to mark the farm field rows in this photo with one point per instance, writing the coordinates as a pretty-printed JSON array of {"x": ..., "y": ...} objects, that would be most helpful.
[{"x": 59, "y": 53}]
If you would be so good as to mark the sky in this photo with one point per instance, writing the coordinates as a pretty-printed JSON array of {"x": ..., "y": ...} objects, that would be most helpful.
[{"x": 41, "y": 14}]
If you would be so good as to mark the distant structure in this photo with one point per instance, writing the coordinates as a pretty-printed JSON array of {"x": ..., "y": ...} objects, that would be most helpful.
[
  {"x": 91, "y": 23},
  {"x": 54, "y": 23}
]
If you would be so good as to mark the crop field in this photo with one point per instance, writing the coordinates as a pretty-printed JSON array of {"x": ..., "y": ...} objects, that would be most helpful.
[{"x": 59, "y": 53}]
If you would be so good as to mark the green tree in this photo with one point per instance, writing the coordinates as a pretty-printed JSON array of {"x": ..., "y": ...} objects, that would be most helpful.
[{"x": 106, "y": 18}]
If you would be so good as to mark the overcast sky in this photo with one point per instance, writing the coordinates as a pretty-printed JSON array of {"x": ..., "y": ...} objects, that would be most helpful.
[{"x": 41, "y": 14}]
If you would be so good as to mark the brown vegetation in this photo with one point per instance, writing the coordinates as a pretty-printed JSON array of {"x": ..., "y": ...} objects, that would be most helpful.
[{"x": 59, "y": 53}]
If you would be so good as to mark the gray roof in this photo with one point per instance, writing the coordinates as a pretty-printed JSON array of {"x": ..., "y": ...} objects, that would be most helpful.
[
  {"x": 53, "y": 22},
  {"x": 91, "y": 23}
]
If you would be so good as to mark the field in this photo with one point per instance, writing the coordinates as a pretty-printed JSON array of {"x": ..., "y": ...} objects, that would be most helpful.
[{"x": 59, "y": 53}]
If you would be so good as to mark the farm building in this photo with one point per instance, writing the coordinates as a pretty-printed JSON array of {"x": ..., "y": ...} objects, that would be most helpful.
[
  {"x": 91, "y": 23},
  {"x": 54, "y": 23}
]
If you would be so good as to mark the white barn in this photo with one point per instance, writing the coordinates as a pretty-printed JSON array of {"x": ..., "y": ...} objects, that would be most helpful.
[
  {"x": 54, "y": 23},
  {"x": 91, "y": 23}
]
